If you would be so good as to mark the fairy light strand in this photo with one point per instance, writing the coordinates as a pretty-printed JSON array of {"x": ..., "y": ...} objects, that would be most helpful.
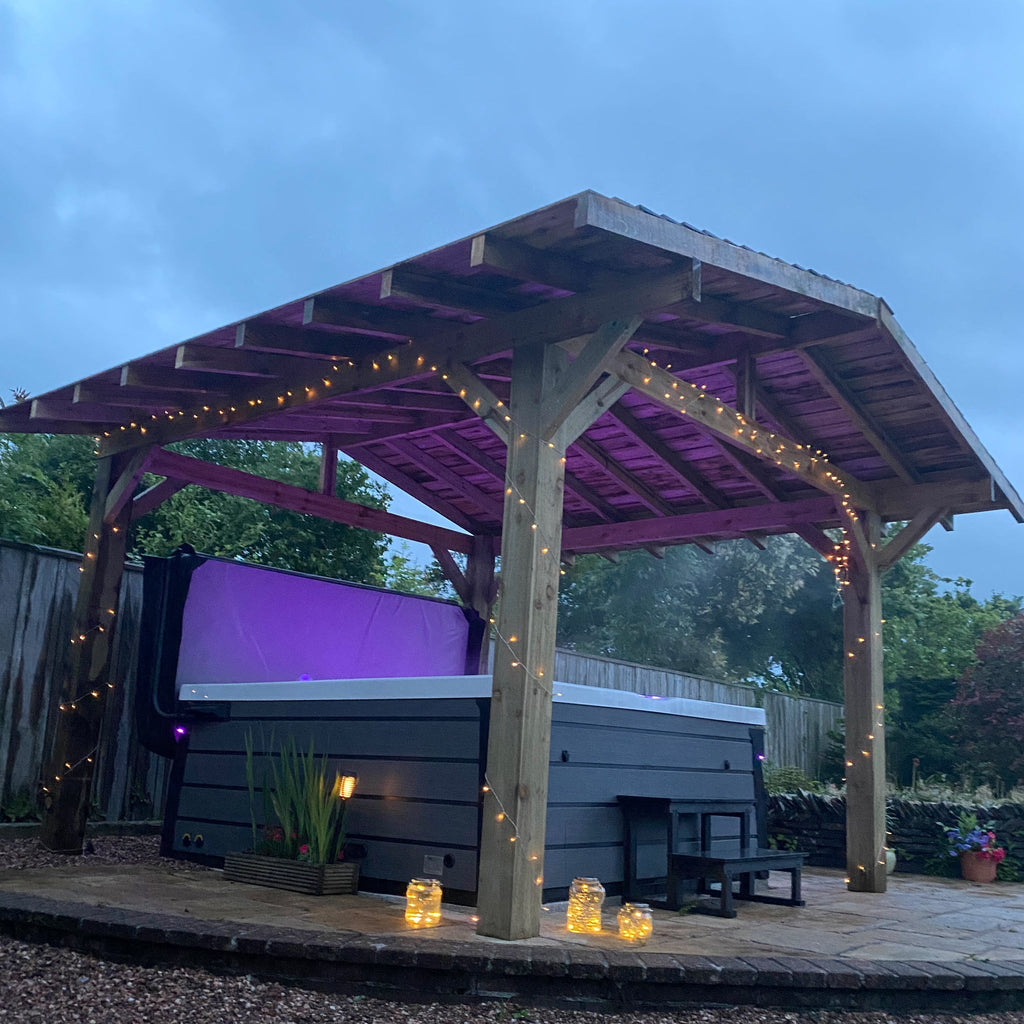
[{"x": 781, "y": 451}]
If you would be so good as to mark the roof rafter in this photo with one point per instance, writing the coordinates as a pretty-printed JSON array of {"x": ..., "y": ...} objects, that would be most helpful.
[{"x": 717, "y": 418}]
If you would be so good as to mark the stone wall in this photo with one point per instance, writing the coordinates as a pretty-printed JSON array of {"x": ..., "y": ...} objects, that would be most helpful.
[{"x": 817, "y": 825}]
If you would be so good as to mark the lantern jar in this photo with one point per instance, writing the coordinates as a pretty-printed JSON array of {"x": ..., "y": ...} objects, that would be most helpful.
[
  {"x": 423, "y": 902},
  {"x": 586, "y": 895},
  {"x": 636, "y": 922}
]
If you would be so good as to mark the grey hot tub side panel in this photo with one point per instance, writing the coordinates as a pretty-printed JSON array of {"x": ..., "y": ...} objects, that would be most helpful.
[{"x": 420, "y": 772}]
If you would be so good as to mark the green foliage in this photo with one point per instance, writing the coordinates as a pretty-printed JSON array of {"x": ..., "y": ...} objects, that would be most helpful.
[
  {"x": 404, "y": 574},
  {"x": 931, "y": 633},
  {"x": 788, "y": 778},
  {"x": 732, "y": 614},
  {"x": 310, "y": 817},
  {"x": 989, "y": 705},
  {"x": 46, "y": 485},
  {"x": 782, "y": 841},
  {"x": 232, "y": 527},
  {"x": 20, "y": 806}
]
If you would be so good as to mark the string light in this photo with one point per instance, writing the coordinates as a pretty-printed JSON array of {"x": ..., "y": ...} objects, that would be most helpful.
[{"x": 680, "y": 391}]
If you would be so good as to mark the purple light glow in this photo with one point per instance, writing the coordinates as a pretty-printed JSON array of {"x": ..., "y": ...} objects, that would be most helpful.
[
  {"x": 760, "y": 757},
  {"x": 246, "y": 624},
  {"x": 180, "y": 732}
]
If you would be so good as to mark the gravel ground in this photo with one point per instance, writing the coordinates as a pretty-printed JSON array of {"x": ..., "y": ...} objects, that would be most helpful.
[
  {"x": 46, "y": 984},
  {"x": 27, "y": 853}
]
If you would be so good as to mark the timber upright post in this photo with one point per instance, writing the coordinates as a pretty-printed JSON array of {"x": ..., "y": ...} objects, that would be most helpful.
[
  {"x": 482, "y": 588},
  {"x": 863, "y": 697},
  {"x": 515, "y": 805},
  {"x": 67, "y": 783}
]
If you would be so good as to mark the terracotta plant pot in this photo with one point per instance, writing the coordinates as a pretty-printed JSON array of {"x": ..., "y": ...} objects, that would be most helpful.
[
  {"x": 976, "y": 868},
  {"x": 296, "y": 875}
]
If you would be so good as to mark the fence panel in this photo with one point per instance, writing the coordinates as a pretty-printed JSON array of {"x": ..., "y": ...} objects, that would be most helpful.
[{"x": 37, "y": 595}]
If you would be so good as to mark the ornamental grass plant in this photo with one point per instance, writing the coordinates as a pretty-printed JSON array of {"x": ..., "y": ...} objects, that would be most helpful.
[{"x": 303, "y": 813}]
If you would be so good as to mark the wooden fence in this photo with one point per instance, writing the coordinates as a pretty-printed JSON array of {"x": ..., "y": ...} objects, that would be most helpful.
[
  {"x": 37, "y": 597},
  {"x": 37, "y": 592},
  {"x": 796, "y": 727}
]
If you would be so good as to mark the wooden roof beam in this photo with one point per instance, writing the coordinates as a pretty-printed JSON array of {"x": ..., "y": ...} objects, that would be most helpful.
[
  {"x": 823, "y": 368},
  {"x": 479, "y": 398},
  {"x": 120, "y": 494},
  {"x": 751, "y": 469},
  {"x": 396, "y": 325},
  {"x": 623, "y": 220},
  {"x": 271, "y": 492},
  {"x": 411, "y": 486},
  {"x": 122, "y": 398},
  {"x": 645, "y": 436},
  {"x": 416, "y": 286},
  {"x": 716, "y": 418},
  {"x": 897, "y": 546},
  {"x": 589, "y": 365},
  {"x": 252, "y": 336},
  {"x": 153, "y": 497},
  {"x": 246, "y": 363},
  {"x": 490, "y": 506},
  {"x": 949, "y": 413},
  {"x": 447, "y": 342},
  {"x": 773, "y": 517},
  {"x": 83, "y": 417},
  {"x": 166, "y": 378},
  {"x": 633, "y": 484}
]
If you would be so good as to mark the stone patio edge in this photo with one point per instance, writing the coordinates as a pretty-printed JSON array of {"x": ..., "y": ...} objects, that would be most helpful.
[{"x": 422, "y": 969}]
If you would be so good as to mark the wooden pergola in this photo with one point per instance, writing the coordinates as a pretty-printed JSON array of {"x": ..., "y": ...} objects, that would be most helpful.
[{"x": 589, "y": 377}]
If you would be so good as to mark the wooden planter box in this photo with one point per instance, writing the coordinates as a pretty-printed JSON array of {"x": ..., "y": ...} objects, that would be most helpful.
[{"x": 295, "y": 875}]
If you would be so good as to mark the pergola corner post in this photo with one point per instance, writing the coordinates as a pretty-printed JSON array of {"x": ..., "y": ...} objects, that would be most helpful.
[
  {"x": 482, "y": 587},
  {"x": 863, "y": 697},
  {"x": 67, "y": 784},
  {"x": 515, "y": 803}
]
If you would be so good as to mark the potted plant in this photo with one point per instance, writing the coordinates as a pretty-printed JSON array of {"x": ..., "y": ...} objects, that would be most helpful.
[
  {"x": 976, "y": 847},
  {"x": 301, "y": 845}
]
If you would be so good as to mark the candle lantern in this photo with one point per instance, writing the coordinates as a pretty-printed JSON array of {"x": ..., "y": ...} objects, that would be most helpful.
[
  {"x": 586, "y": 895},
  {"x": 635, "y": 922},
  {"x": 423, "y": 903}
]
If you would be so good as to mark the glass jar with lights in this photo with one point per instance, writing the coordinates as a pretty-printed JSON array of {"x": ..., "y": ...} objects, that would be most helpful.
[
  {"x": 586, "y": 897},
  {"x": 423, "y": 903},
  {"x": 636, "y": 922}
]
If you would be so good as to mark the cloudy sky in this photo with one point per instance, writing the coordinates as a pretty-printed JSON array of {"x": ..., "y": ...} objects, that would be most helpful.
[{"x": 170, "y": 167}]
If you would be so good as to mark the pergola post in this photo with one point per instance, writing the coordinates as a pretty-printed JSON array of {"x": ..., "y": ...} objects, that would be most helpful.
[
  {"x": 863, "y": 697},
  {"x": 515, "y": 805},
  {"x": 67, "y": 785},
  {"x": 481, "y": 587}
]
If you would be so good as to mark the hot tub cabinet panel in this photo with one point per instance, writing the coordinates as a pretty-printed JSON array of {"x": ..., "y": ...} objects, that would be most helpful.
[{"x": 420, "y": 763}]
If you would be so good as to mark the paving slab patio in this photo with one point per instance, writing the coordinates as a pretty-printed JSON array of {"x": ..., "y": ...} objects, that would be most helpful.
[{"x": 919, "y": 918}]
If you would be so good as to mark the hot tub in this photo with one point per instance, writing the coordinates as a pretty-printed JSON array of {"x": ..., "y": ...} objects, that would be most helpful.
[{"x": 418, "y": 746}]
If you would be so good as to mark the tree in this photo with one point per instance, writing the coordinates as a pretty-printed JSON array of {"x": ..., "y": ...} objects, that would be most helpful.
[
  {"x": 932, "y": 627},
  {"x": 232, "y": 527},
  {"x": 46, "y": 480},
  {"x": 988, "y": 710},
  {"x": 774, "y": 618},
  {"x": 45, "y": 483},
  {"x": 767, "y": 617}
]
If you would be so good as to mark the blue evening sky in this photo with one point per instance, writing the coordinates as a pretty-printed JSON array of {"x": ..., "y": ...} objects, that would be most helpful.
[{"x": 170, "y": 167}]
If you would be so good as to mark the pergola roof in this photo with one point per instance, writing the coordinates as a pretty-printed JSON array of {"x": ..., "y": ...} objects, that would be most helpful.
[{"x": 388, "y": 368}]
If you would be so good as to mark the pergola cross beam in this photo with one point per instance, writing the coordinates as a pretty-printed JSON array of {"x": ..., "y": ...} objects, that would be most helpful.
[{"x": 715, "y": 417}]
